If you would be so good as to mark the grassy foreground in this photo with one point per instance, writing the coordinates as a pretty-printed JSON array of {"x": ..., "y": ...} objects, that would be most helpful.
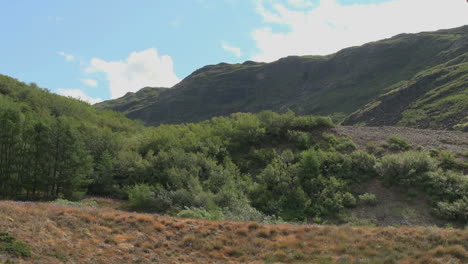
[{"x": 66, "y": 234}]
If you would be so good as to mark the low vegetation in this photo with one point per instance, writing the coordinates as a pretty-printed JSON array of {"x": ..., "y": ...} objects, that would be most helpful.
[
  {"x": 12, "y": 247},
  {"x": 69, "y": 234}
]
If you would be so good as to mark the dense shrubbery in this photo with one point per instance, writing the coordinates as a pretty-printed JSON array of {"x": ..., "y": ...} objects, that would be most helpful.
[
  {"x": 245, "y": 167},
  {"x": 408, "y": 168},
  {"x": 447, "y": 187}
]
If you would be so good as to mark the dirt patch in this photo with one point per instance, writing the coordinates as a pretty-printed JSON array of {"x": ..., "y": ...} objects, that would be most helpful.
[{"x": 454, "y": 141}]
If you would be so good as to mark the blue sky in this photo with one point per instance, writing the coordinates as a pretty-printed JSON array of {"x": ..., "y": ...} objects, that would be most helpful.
[{"x": 101, "y": 49}]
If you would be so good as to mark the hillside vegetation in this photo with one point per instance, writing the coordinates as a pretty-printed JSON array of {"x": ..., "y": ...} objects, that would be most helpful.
[
  {"x": 51, "y": 233},
  {"x": 266, "y": 167},
  {"x": 52, "y": 146},
  {"x": 418, "y": 80}
]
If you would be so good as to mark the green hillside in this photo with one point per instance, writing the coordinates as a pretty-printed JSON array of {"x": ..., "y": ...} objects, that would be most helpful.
[
  {"x": 335, "y": 85},
  {"x": 436, "y": 98},
  {"x": 265, "y": 167},
  {"x": 133, "y": 101}
]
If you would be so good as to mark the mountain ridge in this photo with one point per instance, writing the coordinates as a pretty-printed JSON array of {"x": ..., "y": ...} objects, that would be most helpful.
[{"x": 337, "y": 84}]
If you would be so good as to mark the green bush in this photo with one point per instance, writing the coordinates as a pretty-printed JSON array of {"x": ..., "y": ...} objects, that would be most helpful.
[
  {"x": 449, "y": 191},
  {"x": 242, "y": 211},
  {"x": 446, "y": 185},
  {"x": 201, "y": 213},
  {"x": 329, "y": 197},
  {"x": 362, "y": 166},
  {"x": 456, "y": 210},
  {"x": 302, "y": 139},
  {"x": 349, "y": 200},
  {"x": 345, "y": 145},
  {"x": 448, "y": 161},
  {"x": 397, "y": 144},
  {"x": 141, "y": 197},
  {"x": 368, "y": 199},
  {"x": 374, "y": 149},
  {"x": 11, "y": 246},
  {"x": 407, "y": 168}
]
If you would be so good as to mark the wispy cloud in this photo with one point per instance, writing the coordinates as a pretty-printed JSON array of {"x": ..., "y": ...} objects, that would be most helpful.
[
  {"x": 300, "y": 3},
  {"x": 78, "y": 94},
  {"x": 330, "y": 26},
  {"x": 89, "y": 82},
  {"x": 139, "y": 69},
  {"x": 234, "y": 50},
  {"x": 67, "y": 56}
]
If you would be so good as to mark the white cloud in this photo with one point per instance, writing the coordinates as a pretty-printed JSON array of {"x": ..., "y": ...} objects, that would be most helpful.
[
  {"x": 140, "y": 69},
  {"x": 300, "y": 3},
  {"x": 78, "y": 94},
  {"x": 330, "y": 26},
  {"x": 67, "y": 56},
  {"x": 89, "y": 82},
  {"x": 235, "y": 50}
]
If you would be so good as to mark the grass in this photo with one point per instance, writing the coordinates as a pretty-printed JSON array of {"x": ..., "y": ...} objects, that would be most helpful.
[
  {"x": 59, "y": 234},
  {"x": 9, "y": 245}
]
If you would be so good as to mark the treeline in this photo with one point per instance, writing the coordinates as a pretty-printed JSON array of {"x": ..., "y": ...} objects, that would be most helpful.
[
  {"x": 51, "y": 146},
  {"x": 242, "y": 167}
]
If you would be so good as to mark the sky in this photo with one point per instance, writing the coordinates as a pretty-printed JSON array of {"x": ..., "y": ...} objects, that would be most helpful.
[{"x": 101, "y": 49}]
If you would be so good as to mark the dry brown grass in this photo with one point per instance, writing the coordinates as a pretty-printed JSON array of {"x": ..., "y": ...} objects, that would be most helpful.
[{"x": 60, "y": 234}]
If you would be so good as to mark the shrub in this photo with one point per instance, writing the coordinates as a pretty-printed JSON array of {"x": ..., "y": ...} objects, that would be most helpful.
[
  {"x": 201, "y": 213},
  {"x": 349, "y": 200},
  {"x": 87, "y": 203},
  {"x": 397, "y": 144},
  {"x": 368, "y": 198},
  {"x": 330, "y": 197},
  {"x": 300, "y": 138},
  {"x": 242, "y": 211},
  {"x": 162, "y": 201},
  {"x": 374, "y": 149},
  {"x": 345, "y": 145},
  {"x": 362, "y": 166},
  {"x": 449, "y": 190},
  {"x": 448, "y": 161},
  {"x": 141, "y": 197},
  {"x": 456, "y": 210},
  {"x": 446, "y": 185},
  {"x": 11, "y": 246},
  {"x": 307, "y": 123},
  {"x": 407, "y": 168}
]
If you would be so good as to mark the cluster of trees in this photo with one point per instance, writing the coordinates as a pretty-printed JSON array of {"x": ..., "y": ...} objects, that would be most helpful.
[
  {"x": 241, "y": 167},
  {"x": 51, "y": 146}
]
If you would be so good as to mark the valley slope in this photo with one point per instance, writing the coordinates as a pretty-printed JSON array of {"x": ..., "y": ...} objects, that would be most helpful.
[{"x": 430, "y": 66}]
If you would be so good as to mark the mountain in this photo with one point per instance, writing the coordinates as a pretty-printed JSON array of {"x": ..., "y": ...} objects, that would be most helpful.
[
  {"x": 336, "y": 85},
  {"x": 131, "y": 102},
  {"x": 435, "y": 98}
]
